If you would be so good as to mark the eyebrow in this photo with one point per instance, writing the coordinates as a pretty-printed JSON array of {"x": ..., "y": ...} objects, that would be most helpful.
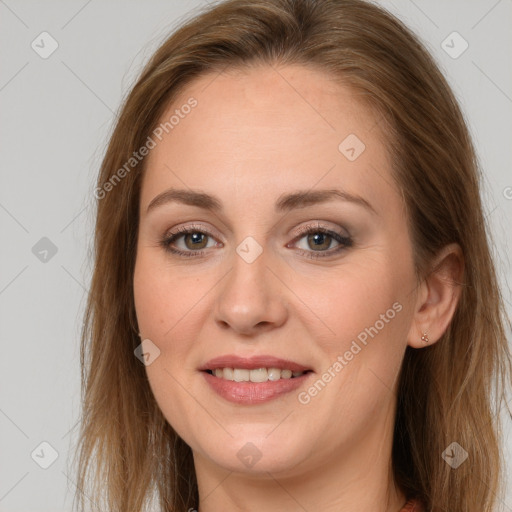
[{"x": 285, "y": 202}]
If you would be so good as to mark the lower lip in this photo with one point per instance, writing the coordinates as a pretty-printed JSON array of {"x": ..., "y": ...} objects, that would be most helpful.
[{"x": 253, "y": 392}]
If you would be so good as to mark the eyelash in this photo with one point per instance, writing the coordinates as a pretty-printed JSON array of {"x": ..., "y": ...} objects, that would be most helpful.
[{"x": 344, "y": 241}]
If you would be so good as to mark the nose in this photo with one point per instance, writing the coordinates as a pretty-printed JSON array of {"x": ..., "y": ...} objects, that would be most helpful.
[{"x": 252, "y": 299}]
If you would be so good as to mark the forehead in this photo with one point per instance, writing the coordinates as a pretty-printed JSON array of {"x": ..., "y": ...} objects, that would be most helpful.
[{"x": 267, "y": 130}]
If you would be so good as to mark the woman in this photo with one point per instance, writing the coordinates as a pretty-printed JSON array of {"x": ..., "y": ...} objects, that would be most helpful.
[{"x": 293, "y": 304}]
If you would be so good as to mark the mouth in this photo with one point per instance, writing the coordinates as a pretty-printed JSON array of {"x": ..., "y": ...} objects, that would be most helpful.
[{"x": 253, "y": 380}]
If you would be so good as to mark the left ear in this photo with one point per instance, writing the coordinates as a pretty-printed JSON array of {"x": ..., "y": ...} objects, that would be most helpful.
[{"x": 437, "y": 297}]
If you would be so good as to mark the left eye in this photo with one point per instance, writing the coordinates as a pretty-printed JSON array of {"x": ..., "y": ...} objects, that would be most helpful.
[{"x": 319, "y": 240}]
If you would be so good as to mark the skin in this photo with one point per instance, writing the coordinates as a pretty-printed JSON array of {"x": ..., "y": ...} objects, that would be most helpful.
[{"x": 255, "y": 135}]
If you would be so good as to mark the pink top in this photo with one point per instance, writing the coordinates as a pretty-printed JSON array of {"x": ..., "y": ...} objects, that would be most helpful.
[{"x": 412, "y": 505}]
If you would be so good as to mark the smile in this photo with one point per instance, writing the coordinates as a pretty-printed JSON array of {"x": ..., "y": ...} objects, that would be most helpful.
[{"x": 255, "y": 379}]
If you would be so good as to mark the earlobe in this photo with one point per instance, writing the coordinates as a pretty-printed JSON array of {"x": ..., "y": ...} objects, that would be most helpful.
[{"x": 438, "y": 296}]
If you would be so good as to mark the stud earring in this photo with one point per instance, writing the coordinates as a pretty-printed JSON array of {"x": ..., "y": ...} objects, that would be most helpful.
[{"x": 424, "y": 337}]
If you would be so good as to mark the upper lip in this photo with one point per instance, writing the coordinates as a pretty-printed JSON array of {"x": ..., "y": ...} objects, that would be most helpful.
[{"x": 253, "y": 362}]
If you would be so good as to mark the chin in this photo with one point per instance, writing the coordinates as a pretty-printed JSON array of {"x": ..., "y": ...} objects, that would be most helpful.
[{"x": 255, "y": 452}]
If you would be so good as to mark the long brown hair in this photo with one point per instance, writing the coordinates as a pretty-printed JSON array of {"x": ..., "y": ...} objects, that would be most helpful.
[{"x": 449, "y": 392}]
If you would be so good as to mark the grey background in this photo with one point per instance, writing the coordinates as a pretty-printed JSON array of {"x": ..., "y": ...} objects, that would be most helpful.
[{"x": 56, "y": 115}]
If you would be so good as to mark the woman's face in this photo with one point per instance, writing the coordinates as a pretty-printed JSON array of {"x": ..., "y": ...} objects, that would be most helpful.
[{"x": 276, "y": 273}]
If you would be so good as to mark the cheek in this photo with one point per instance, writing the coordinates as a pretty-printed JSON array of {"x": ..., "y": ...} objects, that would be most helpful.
[
  {"x": 171, "y": 308},
  {"x": 365, "y": 315},
  {"x": 161, "y": 317},
  {"x": 165, "y": 317},
  {"x": 367, "y": 323},
  {"x": 351, "y": 302},
  {"x": 161, "y": 297}
]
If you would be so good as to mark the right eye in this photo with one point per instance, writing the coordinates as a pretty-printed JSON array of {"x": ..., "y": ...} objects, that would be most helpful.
[{"x": 193, "y": 242}]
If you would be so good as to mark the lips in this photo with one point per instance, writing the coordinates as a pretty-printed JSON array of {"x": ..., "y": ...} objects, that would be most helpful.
[{"x": 254, "y": 379}]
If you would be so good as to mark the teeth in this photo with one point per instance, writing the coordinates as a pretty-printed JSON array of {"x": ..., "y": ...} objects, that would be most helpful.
[
  {"x": 274, "y": 374},
  {"x": 286, "y": 374},
  {"x": 240, "y": 375},
  {"x": 227, "y": 373},
  {"x": 256, "y": 375}
]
